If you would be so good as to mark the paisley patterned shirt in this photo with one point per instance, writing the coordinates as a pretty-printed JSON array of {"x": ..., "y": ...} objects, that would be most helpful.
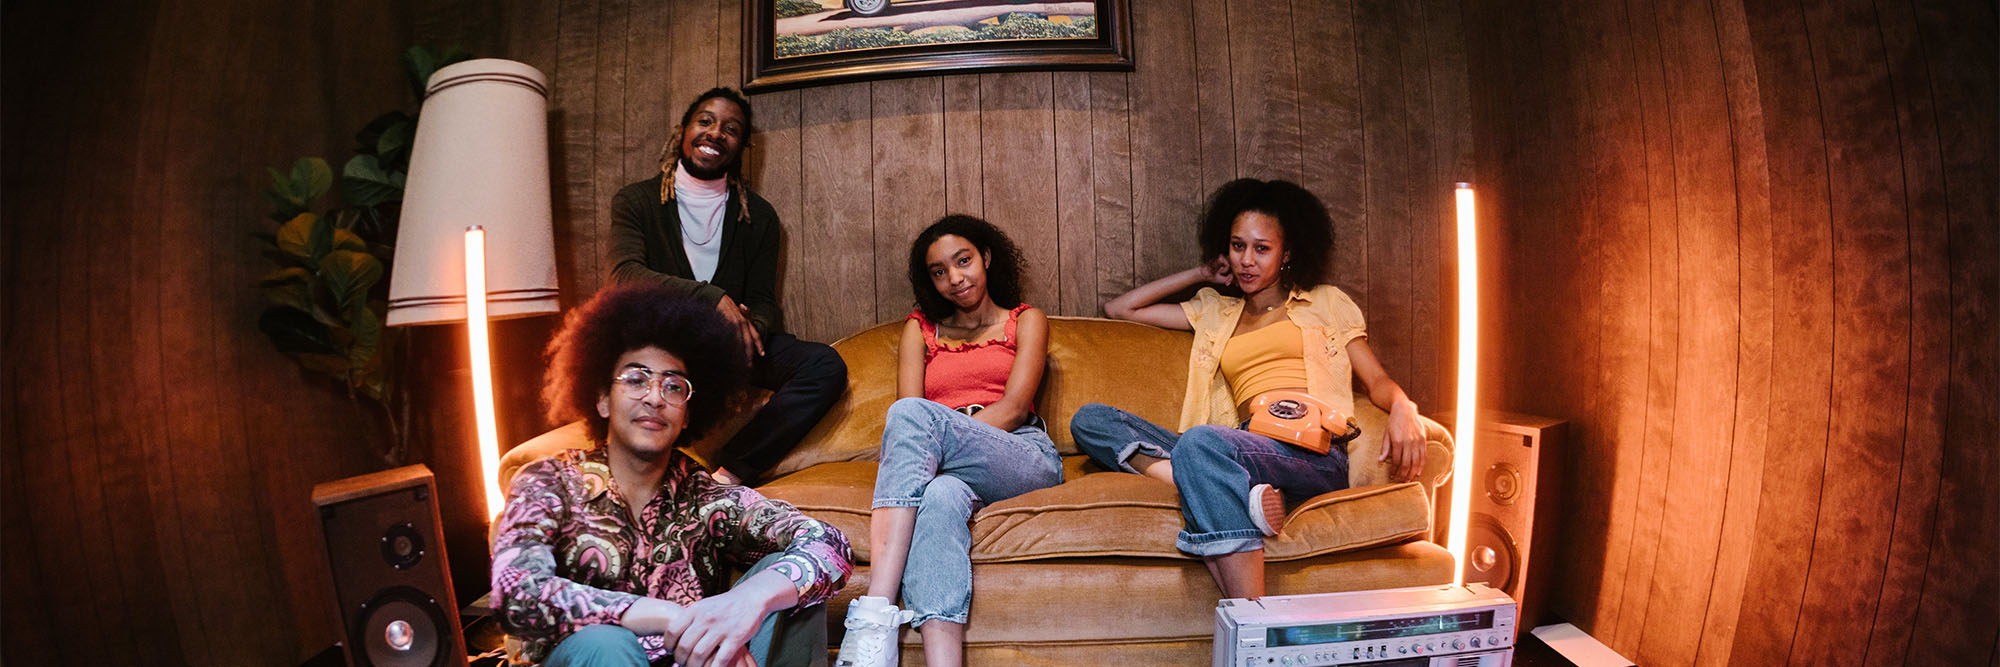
[{"x": 568, "y": 551}]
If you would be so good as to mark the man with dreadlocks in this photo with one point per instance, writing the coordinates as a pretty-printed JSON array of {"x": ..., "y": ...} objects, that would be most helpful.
[{"x": 697, "y": 229}]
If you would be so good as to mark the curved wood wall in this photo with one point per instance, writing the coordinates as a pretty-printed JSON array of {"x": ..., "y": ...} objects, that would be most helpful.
[
  {"x": 159, "y": 453},
  {"x": 1748, "y": 248}
]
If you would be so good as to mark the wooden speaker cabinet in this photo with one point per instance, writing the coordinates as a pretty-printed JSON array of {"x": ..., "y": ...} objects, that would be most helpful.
[
  {"x": 1516, "y": 480},
  {"x": 386, "y": 547}
]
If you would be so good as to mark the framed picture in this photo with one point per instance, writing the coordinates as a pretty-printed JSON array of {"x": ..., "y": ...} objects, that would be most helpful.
[{"x": 794, "y": 43}]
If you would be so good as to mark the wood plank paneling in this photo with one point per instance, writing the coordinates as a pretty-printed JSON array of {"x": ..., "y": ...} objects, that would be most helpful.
[
  {"x": 1020, "y": 172},
  {"x": 1698, "y": 466},
  {"x": 1264, "y": 86},
  {"x": 909, "y": 182},
  {"x": 1111, "y": 190},
  {"x": 1961, "y": 593},
  {"x": 1075, "y": 188},
  {"x": 1775, "y": 454},
  {"x": 836, "y": 177},
  {"x": 1755, "y": 340},
  {"x": 1166, "y": 168}
]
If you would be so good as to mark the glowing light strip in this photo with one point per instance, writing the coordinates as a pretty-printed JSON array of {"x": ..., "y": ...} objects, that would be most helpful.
[
  {"x": 1468, "y": 381},
  {"x": 477, "y": 335}
]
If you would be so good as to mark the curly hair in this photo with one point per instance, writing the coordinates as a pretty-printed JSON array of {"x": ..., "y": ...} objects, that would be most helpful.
[
  {"x": 1003, "y": 274},
  {"x": 1307, "y": 227},
  {"x": 671, "y": 153},
  {"x": 583, "y": 355}
]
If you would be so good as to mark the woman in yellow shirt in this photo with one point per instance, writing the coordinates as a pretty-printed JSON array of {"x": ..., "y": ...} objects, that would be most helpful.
[{"x": 1270, "y": 240}]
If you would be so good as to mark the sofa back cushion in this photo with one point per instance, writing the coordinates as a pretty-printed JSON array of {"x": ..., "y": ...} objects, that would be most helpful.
[{"x": 1138, "y": 368}]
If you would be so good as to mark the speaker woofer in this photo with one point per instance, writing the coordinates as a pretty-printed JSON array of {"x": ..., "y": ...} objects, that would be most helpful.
[
  {"x": 1491, "y": 554},
  {"x": 398, "y": 628}
]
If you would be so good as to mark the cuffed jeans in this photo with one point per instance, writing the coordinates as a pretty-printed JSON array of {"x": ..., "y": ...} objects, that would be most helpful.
[
  {"x": 1214, "y": 468},
  {"x": 948, "y": 465},
  {"x": 785, "y": 638}
]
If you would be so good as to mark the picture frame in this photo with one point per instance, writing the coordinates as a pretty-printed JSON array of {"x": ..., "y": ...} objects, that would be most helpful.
[{"x": 879, "y": 39}]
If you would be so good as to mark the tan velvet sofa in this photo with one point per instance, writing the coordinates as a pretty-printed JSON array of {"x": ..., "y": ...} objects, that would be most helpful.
[{"x": 1086, "y": 572}]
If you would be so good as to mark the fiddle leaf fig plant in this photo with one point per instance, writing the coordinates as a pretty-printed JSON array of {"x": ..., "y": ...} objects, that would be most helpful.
[{"x": 328, "y": 296}]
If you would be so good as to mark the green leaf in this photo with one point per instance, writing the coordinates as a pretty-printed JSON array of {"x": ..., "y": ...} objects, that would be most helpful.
[
  {"x": 367, "y": 330},
  {"x": 288, "y": 276},
  {"x": 284, "y": 205},
  {"x": 419, "y": 62},
  {"x": 346, "y": 240},
  {"x": 321, "y": 239},
  {"x": 349, "y": 275},
  {"x": 279, "y": 183},
  {"x": 392, "y": 148},
  {"x": 295, "y": 237},
  {"x": 364, "y": 183},
  {"x": 296, "y": 332},
  {"x": 290, "y": 295},
  {"x": 311, "y": 177},
  {"x": 368, "y": 141}
]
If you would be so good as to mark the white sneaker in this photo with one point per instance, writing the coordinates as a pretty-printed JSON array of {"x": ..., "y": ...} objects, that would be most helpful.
[
  {"x": 1267, "y": 509},
  {"x": 872, "y": 628}
]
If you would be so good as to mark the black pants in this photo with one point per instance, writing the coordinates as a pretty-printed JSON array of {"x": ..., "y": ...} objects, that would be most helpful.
[{"x": 805, "y": 379}]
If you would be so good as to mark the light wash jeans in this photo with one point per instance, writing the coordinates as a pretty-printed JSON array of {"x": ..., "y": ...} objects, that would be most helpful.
[
  {"x": 1214, "y": 468},
  {"x": 785, "y": 638},
  {"x": 948, "y": 465}
]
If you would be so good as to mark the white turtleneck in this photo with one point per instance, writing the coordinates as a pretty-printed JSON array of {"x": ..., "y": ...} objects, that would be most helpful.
[{"x": 701, "y": 205}]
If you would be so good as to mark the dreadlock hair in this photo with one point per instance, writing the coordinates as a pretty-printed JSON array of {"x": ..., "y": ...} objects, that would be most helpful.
[{"x": 671, "y": 153}]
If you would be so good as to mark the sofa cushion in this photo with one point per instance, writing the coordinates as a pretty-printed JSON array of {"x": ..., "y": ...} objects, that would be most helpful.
[{"x": 1113, "y": 514}]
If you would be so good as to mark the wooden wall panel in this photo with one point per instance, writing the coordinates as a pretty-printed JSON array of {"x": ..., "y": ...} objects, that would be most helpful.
[
  {"x": 1706, "y": 355},
  {"x": 1018, "y": 160},
  {"x": 1075, "y": 188},
  {"x": 159, "y": 451},
  {"x": 909, "y": 182},
  {"x": 1166, "y": 167},
  {"x": 1776, "y": 213},
  {"x": 1755, "y": 342}
]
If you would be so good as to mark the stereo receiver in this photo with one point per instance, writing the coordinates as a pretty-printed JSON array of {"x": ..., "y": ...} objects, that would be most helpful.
[{"x": 1423, "y": 626}]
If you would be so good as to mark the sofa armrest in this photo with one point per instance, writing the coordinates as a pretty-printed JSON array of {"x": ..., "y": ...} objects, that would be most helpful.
[{"x": 1364, "y": 470}]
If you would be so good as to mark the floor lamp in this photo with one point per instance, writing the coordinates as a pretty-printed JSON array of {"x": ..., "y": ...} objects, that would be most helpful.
[
  {"x": 1468, "y": 380},
  {"x": 475, "y": 240}
]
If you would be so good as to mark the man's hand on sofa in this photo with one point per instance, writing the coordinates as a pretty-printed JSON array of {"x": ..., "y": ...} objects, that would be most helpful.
[{"x": 1403, "y": 444}]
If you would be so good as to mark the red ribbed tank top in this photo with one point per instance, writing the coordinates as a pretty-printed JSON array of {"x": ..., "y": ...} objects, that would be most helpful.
[{"x": 970, "y": 374}]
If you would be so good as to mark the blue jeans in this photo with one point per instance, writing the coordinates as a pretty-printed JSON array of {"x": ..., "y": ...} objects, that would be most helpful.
[
  {"x": 948, "y": 465},
  {"x": 785, "y": 638},
  {"x": 1214, "y": 468}
]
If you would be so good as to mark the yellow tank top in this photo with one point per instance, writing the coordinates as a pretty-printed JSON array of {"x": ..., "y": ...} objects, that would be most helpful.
[{"x": 1269, "y": 358}]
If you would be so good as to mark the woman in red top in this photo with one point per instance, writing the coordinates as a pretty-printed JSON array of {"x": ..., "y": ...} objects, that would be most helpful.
[{"x": 963, "y": 434}]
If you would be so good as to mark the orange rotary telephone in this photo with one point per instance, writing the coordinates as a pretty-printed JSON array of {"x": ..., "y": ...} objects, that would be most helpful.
[{"x": 1295, "y": 417}]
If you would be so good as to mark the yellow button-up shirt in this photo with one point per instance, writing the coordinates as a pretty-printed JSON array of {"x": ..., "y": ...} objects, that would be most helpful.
[{"x": 1327, "y": 319}]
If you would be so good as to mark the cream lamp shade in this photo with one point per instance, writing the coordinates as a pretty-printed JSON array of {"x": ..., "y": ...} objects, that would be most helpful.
[{"x": 481, "y": 158}]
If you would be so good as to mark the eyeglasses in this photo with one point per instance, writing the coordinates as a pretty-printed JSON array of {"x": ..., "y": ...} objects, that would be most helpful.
[{"x": 674, "y": 385}]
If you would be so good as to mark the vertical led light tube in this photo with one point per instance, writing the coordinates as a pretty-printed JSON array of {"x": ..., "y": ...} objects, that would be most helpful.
[
  {"x": 1468, "y": 381},
  {"x": 477, "y": 334}
]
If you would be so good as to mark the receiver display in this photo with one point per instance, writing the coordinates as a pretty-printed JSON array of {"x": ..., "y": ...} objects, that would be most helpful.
[{"x": 1416, "y": 626}]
